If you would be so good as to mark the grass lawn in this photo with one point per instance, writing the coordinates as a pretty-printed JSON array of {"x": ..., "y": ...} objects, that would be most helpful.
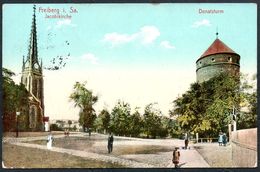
[{"x": 23, "y": 157}]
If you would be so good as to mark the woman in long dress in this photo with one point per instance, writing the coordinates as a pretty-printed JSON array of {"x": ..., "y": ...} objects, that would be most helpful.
[{"x": 49, "y": 141}]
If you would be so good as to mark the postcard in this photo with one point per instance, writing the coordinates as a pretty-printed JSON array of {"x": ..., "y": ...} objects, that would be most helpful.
[{"x": 127, "y": 85}]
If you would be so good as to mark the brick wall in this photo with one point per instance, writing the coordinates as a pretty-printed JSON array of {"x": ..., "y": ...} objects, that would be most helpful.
[{"x": 244, "y": 148}]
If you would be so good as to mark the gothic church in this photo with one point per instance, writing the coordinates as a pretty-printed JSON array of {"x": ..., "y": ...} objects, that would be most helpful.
[{"x": 32, "y": 78}]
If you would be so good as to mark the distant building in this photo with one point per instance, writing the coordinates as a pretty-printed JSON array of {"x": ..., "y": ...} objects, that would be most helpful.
[
  {"x": 218, "y": 58},
  {"x": 64, "y": 124},
  {"x": 32, "y": 78}
]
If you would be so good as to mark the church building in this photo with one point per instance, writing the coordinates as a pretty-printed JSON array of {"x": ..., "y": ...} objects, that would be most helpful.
[
  {"x": 32, "y": 78},
  {"x": 218, "y": 58}
]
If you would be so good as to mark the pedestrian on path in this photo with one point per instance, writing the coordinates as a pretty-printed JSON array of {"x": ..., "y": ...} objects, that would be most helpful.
[
  {"x": 186, "y": 140},
  {"x": 110, "y": 143},
  {"x": 224, "y": 139},
  {"x": 220, "y": 139},
  {"x": 176, "y": 157},
  {"x": 49, "y": 141}
]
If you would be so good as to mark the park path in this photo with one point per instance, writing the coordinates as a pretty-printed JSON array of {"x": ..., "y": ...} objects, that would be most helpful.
[{"x": 190, "y": 158}]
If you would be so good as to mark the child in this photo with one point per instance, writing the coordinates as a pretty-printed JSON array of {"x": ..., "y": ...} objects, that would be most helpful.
[{"x": 176, "y": 157}]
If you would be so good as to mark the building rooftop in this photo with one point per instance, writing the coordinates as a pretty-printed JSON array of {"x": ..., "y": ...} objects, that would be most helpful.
[{"x": 217, "y": 47}]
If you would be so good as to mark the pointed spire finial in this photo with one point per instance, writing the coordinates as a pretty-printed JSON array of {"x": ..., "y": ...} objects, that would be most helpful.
[
  {"x": 33, "y": 52},
  {"x": 217, "y": 33}
]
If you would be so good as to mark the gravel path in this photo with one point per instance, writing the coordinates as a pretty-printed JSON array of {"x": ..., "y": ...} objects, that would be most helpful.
[{"x": 189, "y": 158}]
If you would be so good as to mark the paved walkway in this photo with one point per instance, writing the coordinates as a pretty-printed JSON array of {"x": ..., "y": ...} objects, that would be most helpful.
[{"x": 189, "y": 158}]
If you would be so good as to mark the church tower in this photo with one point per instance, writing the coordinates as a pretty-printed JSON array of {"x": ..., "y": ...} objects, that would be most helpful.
[
  {"x": 32, "y": 78},
  {"x": 218, "y": 58}
]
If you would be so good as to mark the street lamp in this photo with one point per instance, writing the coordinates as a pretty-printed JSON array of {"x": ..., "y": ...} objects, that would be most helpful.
[{"x": 17, "y": 114}]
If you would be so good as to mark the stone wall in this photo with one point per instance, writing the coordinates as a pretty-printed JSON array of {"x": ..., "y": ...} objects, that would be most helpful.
[
  {"x": 212, "y": 65},
  {"x": 244, "y": 148}
]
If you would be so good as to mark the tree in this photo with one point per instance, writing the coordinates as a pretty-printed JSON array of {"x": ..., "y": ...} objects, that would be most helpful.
[
  {"x": 15, "y": 98},
  {"x": 84, "y": 99},
  {"x": 166, "y": 125},
  {"x": 120, "y": 115},
  {"x": 152, "y": 120},
  {"x": 135, "y": 123},
  {"x": 74, "y": 128},
  {"x": 247, "y": 118},
  {"x": 105, "y": 119},
  {"x": 98, "y": 125},
  {"x": 55, "y": 127},
  {"x": 207, "y": 106},
  {"x": 60, "y": 124}
]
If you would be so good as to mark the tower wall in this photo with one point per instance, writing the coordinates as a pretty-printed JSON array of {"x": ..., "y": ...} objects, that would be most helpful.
[{"x": 212, "y": 65}]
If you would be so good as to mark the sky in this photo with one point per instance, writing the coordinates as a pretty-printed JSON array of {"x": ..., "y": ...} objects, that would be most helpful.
[{"x": 136, "y": 53}]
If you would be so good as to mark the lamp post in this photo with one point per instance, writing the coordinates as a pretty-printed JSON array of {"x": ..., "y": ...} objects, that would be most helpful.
[{"x": 17, "y": 114}]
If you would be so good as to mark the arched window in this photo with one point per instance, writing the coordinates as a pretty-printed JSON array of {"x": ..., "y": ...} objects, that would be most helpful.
[
  {"x": 229, "y": 59},
  {"x": 32, "y": 116}
]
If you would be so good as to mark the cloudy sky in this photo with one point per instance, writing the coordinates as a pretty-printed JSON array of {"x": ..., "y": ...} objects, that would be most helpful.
[{"x": 138, "y": 53}]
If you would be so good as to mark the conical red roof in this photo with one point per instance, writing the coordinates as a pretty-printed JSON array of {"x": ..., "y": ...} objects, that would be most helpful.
[{"x": 217, "y": 47}]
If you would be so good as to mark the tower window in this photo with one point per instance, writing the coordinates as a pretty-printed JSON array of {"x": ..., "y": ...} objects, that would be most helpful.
[
  {"x": 229, "y": 59},
  {"x": 213, "y": 60}
]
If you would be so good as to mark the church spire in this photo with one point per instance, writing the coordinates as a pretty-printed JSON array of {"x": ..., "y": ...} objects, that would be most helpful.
[{"x": 33, "y": 52}]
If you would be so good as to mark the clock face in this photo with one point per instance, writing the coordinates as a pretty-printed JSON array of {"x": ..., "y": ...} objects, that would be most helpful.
[{"x": 36, "y": 66}]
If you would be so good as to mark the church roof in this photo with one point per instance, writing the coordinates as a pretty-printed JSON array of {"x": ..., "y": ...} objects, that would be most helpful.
[{"x": 217, "y": 47}]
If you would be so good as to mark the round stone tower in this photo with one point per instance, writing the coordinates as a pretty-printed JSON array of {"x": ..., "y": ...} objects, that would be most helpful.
[{"x": 218, "y": 58}]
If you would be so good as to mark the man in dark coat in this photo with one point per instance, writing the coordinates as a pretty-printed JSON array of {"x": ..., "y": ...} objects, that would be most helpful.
[{"x": 110, "y": 143}]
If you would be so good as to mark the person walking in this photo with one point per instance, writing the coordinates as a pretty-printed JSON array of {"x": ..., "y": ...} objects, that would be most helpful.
[
  {"x": 224, "y": 139},
  {"x": 186, "y": 140},
  {"x": 176, "y": 157},
  {"x": 110, "y": 143},
  {"x": 220, "y": 139},
  {"x": 49, "y": 141}
]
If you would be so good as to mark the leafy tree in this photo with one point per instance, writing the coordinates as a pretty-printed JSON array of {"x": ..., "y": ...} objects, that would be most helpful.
[
  {"x": 120, "y": 116},
  {"x": 55, "y": 127},
  {"x": 74, "y": 128},
  {"x": 152, "y": 120},
  {"x": 165, "y": 127},
  {"x": 174, "y": 129},
  {"x": 105, "y": 119},
  {"x": 84, "y": 99},
  {"x": 60, "y": 123},
  {"x": 15, "y": 98},
  {"x": 98, "y": 125},
  {"x": 206, "y": 107},
  {"x": 247, "y": 118},
  {"x": 135, "y": 124}
]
